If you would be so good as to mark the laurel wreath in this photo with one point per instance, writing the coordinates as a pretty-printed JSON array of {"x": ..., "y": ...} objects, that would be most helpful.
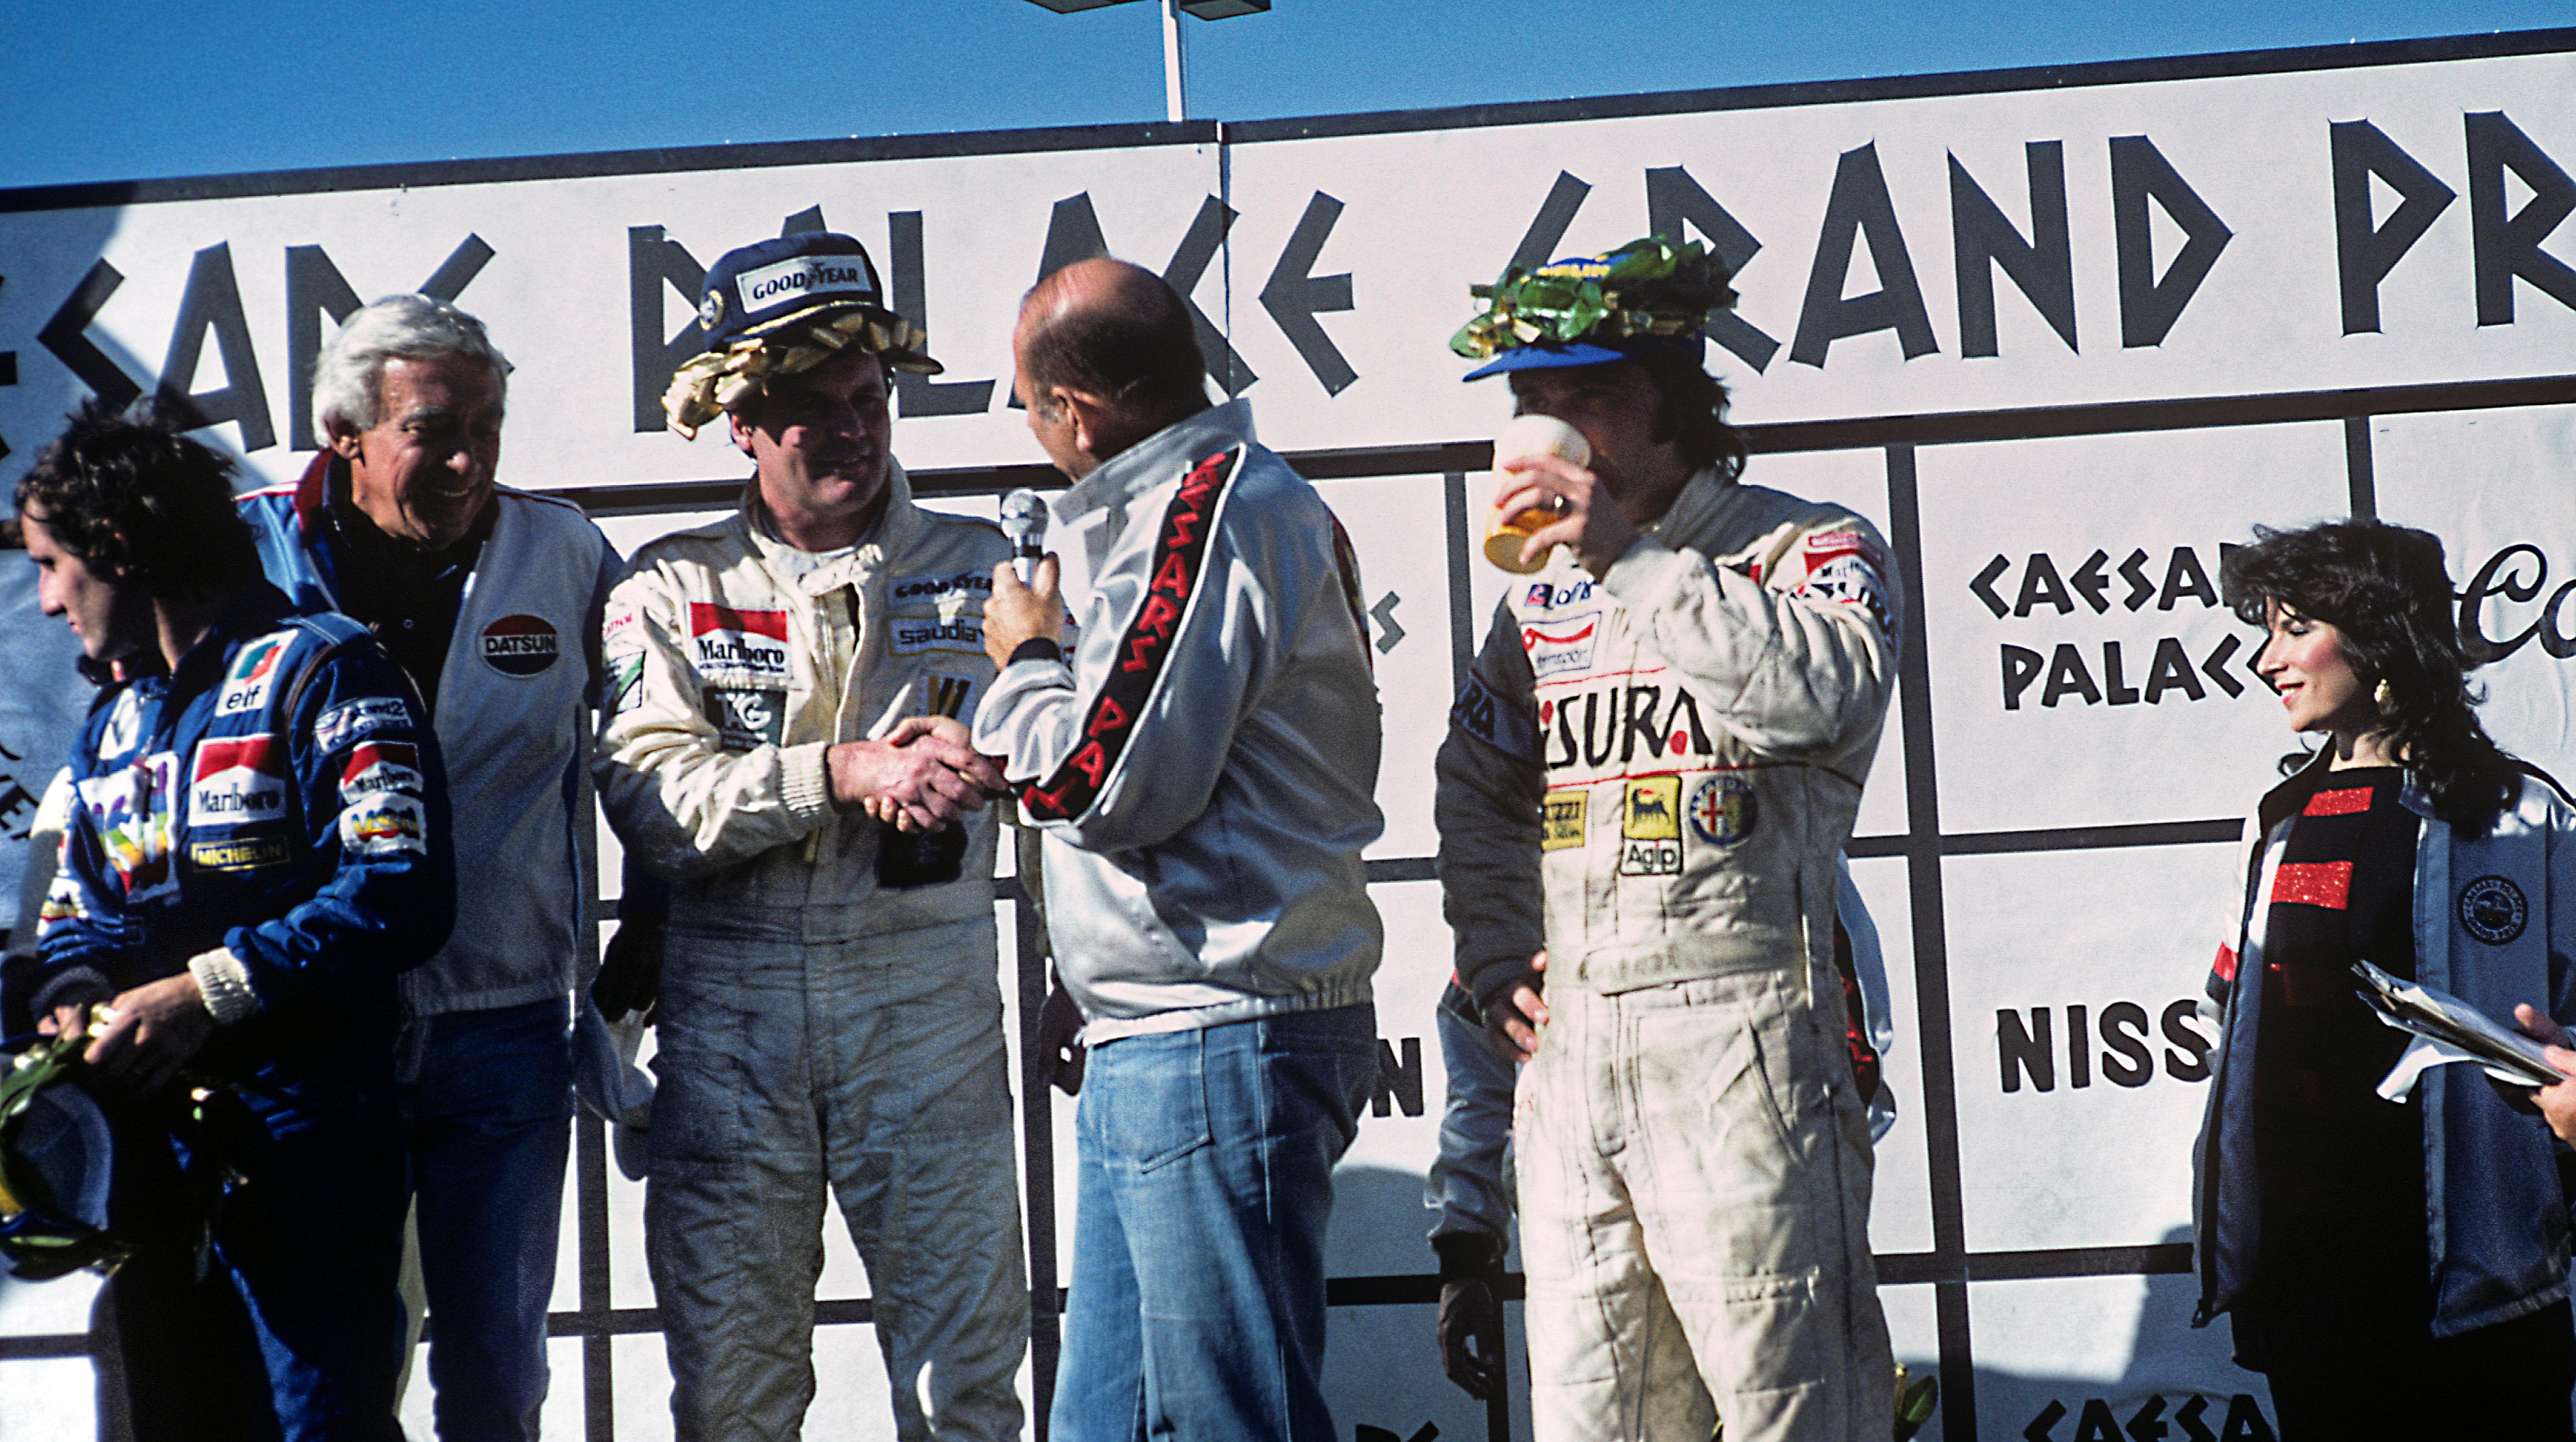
[
  {"x": 718, "y": 381},
  {"x": 1649, "y": 287}
]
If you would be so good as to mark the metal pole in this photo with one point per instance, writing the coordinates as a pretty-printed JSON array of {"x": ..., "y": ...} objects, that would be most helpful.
[{"x": 1175, "y": 76}]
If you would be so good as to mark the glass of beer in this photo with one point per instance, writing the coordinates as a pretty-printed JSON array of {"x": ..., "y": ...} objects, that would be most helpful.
[{"x": 1531, "y": 436}]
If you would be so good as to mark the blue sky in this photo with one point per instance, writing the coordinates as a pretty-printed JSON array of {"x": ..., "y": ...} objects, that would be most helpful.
[{"x": 124, "y": 89}]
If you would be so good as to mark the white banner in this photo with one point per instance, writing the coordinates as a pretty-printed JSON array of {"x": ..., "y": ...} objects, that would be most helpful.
[{"x": 2065, "y": 343}]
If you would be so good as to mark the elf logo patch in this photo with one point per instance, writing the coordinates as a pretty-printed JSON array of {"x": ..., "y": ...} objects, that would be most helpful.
[
  {"x": 725, "y": 639},
  {"x": 237, "y": 780},
  {"x": 520, "y": 645},
  {"x": 254, "y": 668}
]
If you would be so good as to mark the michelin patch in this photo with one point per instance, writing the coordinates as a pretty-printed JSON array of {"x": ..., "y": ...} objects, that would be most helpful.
[
  {"x": 746, "y": 718},
  {"x": 1650, "y": 827},
  {"x": 350, "y": 720},
  {"x": 242, "y": 853},
  {"x": 2493, "y": 910},
  {"x": 386, "y": 823}
]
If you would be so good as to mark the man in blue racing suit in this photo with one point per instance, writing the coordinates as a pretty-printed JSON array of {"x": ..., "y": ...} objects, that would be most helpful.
[{"x": 258, "y": 846}]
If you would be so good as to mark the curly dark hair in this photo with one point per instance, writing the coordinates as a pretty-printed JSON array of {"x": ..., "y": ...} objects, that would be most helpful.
[
  {"x": 124, "y": 488},
  {"x": 2388, "y": 591},
  {"x": 1692, "y": 408}
]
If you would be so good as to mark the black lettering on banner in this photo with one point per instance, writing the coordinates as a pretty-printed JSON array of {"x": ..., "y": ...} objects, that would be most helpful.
[
  {"x": 1675, "y": 200},
  {"x": 2026, "y": 1050},
  {"x": 652, "y": 262},
  {"x": 1181, "y": 544},
  {"x": 1294, "y": 295},
  {"x": 2508, "y": 248},
  {"x": 2184, "y": 577},
  {"x": 2090, "y": 583},
  {"x": 2187, "y": 1051},
  {"x": 2133, "y": 571},
  {"x": 916, "y": 394},
  {"x": 1556, "y": 215},
  {"x": 2494, "y": 579},
  {"x": 1190, "y": 260},
  {"x": 2149, "y": 306},
  {"x": 1982, "y": 237},
  {"x": 315, "y": 287},
  {"x": 2115, "y": 686},
  {"x": 2125, "y": 1059},
  {"x": 212, "y": 302},
  {"x": 808, "y": 221},
  {"x": 2245, "y": 1421},
  {"x": 1399, "y": 1079},
  {"x": 2171, "y": 670},
  {"x": 1859, "y": 209},
  {"x": 2021, "y": 667},
  {"x": 2067, "y": 677},
  {"x": 66, "y": 334},
  {"x": 2364, "y": 254},
  {"x": 2040, "y": 586}
]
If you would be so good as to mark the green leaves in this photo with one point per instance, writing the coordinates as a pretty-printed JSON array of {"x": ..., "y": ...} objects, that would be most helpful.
[{"x": 1648, "y": 287}]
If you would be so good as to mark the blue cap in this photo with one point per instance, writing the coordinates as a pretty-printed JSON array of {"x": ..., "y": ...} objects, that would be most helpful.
[{"x": 816, "y": 275}]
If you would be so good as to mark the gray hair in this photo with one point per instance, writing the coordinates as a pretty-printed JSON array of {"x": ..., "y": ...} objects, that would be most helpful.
[{"x": 348, "y": 380}]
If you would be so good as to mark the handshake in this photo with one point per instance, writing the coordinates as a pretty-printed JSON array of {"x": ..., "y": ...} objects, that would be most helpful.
[{"x": 920, "y": 776}]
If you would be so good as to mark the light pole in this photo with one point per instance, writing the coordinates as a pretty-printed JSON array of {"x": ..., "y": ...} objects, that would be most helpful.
[{"x": 1175, "y": 67}]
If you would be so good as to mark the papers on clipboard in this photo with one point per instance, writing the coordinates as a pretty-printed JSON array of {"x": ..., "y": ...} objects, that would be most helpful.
[{"x": 2446, "y": 1030}]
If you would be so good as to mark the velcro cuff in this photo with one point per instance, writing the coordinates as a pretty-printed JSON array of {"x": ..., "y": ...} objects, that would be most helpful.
[
  {"x": 804, "y": 781},
  {"x": 224, "y": 983}
]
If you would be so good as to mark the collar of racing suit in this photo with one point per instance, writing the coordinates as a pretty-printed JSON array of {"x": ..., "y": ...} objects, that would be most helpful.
[
  {"x": 811, "y": 574},
  {"x": 1155, "y": 460}
]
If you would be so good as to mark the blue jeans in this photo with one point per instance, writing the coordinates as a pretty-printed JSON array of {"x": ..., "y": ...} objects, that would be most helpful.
[
  {"x": 1206, "y": 1179},
  {"x": 486, "y": 1103}
]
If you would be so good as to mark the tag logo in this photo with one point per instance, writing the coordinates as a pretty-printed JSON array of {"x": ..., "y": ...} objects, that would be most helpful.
[
  {"x": 1723, "y": 810},
  {"x": 743, "y": 641},
  {"x": 385, "y": 824},
  {"x": 520, "y": 645},
  {"x": 254, "y": 668},
  {"x": 237, "y": 780},
  {"x": 1561, "y": 823},
  {"x": 2492, "y": 909},
  {"x": 1650, "y": 827},
  {"x": 746, "y": 718},
  {"x": 1563, "y": 646}
]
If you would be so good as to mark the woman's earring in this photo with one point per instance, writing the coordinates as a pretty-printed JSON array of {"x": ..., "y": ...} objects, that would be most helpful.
[{"x": 2379, "y": 693}]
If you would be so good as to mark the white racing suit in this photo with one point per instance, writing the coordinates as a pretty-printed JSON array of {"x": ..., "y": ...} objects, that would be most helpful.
[
  {"x": 1651, "y": 775},
  {"x": 830, "y": 1010}
]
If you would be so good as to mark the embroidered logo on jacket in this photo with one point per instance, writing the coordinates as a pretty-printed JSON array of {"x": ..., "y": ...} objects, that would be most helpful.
[
  {"x": 746, "y": 717},
  {"x": 520, "y": 645},
  {"x": 725, "y": 639},
  {"x": 1650, "y": 827},
  {"x": 380, "y": 766},
  {"x": 1180, "y": 553},
  {"x": 1561, "y": 645},
  {"x": 911, "y": 636},
  {"x": 1722, "y": 810},
  {"x": 350, "y": 720},
  {"x": 1561, "y": 822},
  {"x": 2492, "y": 910},
  {"x": 130, "y": 810},
  {"x": 385, "y": 824},
  {"x": 237, "y": 780},
  {"x": 254, "y": 669}
]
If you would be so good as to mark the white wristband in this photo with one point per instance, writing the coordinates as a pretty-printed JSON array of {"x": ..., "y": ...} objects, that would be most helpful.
[{"x": 224, "y": 983}]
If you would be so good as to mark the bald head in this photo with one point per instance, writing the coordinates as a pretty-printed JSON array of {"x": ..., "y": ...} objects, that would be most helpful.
[{"x": 1117, "y": 335}]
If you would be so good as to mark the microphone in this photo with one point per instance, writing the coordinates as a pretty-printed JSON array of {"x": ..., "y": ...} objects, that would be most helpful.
[{"x": 1024, "y": 521}]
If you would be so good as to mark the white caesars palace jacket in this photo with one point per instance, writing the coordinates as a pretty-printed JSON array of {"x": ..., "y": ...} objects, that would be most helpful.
[
  {"x": 1205, "y": 768},
  {"x": 734, "y": 660},
  {"x": 1653, "y": 774}
]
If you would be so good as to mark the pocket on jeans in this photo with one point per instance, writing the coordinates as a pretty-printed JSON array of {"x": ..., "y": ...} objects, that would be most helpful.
[
  {"x": 697, "y": 1118},
  {"x": 1153, "y": 1106}
]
